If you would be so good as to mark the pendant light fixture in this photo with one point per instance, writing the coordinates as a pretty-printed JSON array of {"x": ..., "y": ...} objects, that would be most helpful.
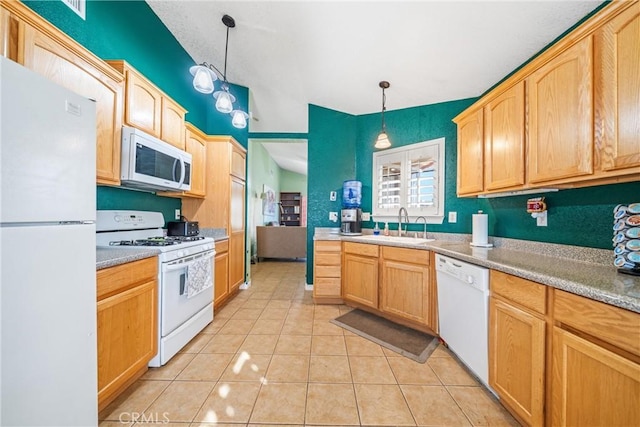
[
  {"x": 205, "y": 74},
  {"x": 383, "y": 140}
]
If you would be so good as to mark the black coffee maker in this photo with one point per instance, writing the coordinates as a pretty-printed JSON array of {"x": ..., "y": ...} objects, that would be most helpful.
[{"x": 351, "y": 221}]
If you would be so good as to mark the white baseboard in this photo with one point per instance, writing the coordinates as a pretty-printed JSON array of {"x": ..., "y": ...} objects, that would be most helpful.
[
  {"x": 308, "y": 287},
  {"x": 246, "y": 285}
]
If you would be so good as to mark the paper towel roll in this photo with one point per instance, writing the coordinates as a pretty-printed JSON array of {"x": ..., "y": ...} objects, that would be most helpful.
[{"x": 480, "y": 230}]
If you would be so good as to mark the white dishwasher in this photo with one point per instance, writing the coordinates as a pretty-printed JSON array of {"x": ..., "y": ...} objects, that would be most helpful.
[{"x": 463, "y": 312}]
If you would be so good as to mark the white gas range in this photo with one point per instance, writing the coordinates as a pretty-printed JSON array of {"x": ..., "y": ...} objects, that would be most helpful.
[{"x": 185, "y": 274}]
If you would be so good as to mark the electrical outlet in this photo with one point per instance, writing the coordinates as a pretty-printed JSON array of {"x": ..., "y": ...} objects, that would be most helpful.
[
  {"x": 177, "y": 215},
  {"x": 333, "y": 196},
  {"x": 453, "y": 217},
  {"x": 541, "y": 219},
  {"x": 366, "y": 216},
  {"x": 333, "y": 216}
]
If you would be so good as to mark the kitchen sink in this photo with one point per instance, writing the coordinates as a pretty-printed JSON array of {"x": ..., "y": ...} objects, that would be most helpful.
[{"x": 396, "y": 239}]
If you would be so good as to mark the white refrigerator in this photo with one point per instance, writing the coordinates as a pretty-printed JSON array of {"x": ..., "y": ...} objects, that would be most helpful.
[{"x": 48, "y": 346}]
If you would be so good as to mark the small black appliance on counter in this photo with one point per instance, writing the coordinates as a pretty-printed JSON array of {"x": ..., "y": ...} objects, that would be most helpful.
[{"x": 182, "y": 228}]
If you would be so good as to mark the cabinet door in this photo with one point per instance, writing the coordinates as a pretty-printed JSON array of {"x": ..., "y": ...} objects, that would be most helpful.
[
  {"x": 620, "y": 90},
  {"x": 404, "y": 289},
  {"x": 195, "y": 145},
  {"x": 143, "y": 104},
  {"x": 504, "y": 140},
  {"x": 517, "y": 359},
  {"x": 237, "y": 237},
  {"x": 71, "y": 70},
  {"x": 127, "y": 336},
  {"x": 560, "y": 106},
  {"x": 221, "y": 289},
  {"x": 470, "y": 154},
  {"x": 592, "y": 386},
  {"x": 238, "y": 162},
  {"x": 360, "y": 280},
  {"x": 172, "y": 123}
]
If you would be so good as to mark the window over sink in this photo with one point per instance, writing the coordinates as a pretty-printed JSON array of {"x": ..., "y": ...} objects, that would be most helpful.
[{"x": 411, "y": 176}]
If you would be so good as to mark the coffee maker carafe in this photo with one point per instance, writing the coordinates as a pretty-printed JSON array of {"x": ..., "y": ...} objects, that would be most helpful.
[{"x": 351, "y": 221}]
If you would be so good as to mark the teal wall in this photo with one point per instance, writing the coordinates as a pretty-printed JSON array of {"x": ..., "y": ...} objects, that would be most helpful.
[
  {"x": 130, "y": 30},
  {"x": 331, "y": 151},
  {"x": 409, "y": 126},
  {"x": 293, "y": 182},
  {"x": 116, "y": 198}
]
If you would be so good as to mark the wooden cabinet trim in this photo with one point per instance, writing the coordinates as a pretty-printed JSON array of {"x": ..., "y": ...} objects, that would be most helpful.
[
  {"x": 328, "y": 245},
  {"x": 412, "y": 256},
  {"x": 113, "y": 280}
]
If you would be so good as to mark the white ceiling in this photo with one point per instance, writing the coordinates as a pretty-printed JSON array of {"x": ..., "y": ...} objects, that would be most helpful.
[
  {"x": 334, "y": 53},
  {"x": 290, "y": 155}
]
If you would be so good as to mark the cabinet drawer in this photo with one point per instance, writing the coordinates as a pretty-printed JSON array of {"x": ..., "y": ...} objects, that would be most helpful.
[
  {"x": 326, "y": 287},
  {"x": 116, "y": 279},
  {"x": 360, "y": 249},
  {"x": 328, "y": 245},
  {"x": 327, "y": 258},
  {"x": 222, "y": 246},
  {"x": 413, "y": 256},
  {"x": 522, "y": 291},
  {"x": 328, "y": 271},
  {"x": 614, "y": 325}
]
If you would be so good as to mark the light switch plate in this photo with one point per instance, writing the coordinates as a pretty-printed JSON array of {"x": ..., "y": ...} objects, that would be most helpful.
[
  {"x": 332, "y": 196},
  {"x": 366, "y": 216},
  {"x": 453, "y": 217},
  {"x": 177, "y": 215},
  {"x": 333, "y": 216}
]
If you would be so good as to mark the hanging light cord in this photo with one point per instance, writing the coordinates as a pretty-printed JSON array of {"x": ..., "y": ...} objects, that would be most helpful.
[
  {"x": 226, "y": 49},
  {"x": 384, "y": 98}
]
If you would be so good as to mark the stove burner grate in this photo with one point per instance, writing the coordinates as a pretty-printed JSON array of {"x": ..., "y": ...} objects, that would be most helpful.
[{"x": 156, "y": 241}]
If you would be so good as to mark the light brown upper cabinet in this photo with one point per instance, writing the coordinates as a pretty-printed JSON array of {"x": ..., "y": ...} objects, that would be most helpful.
[
  {"x": 147, "y": 108},
  {"x": 561, "y": 116},
  {"x": 470, "y": 153},
  {"x": 504, "y": 140},
  {"x": 618, "y": 100},
  {"x": 568, "y": 118},
  {"x": 52, "y": 54}
]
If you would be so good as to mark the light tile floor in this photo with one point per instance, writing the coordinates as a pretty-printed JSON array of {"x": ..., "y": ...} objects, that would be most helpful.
[{"x": 271, "y": 357}]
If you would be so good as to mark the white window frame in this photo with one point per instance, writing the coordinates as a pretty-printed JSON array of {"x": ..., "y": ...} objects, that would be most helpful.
[{"x": 404, "y": 155}]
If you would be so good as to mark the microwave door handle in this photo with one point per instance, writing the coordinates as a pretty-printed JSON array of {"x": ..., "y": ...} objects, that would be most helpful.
[
  {"x": 182, "y": 171},
  {"x": 175, "y": 165}
]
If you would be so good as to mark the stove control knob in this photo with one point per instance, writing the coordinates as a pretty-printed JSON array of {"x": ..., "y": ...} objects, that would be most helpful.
[{"x": 117, "y": 218}]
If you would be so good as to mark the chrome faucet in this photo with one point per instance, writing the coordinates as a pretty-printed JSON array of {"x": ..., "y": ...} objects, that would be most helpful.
[
  {"x": 406, "y": 218},
  {"x": 424, "y": 233}
]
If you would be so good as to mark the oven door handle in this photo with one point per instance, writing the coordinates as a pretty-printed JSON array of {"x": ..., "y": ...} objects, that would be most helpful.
[{"x": 181, "y": 265}]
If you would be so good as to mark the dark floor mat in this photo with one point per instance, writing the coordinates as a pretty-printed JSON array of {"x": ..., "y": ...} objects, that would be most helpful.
[{"x": 410, "y": 343}]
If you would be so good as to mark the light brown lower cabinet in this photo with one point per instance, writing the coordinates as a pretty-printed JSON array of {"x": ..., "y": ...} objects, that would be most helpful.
[
  {"x": 596, "y": 363},
  {"x": 327, "y": 265},
  {"x": 221, "y": 271},
  {"x": 560, "y": 359},
  {"x": 405, "y": 284},
  {"x": 127, "y": 322}
]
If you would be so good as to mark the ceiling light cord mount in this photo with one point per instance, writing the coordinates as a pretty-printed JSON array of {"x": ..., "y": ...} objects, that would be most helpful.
[
  {"x": 205, "y": 74},
  {"x": 383, "y": 139}
]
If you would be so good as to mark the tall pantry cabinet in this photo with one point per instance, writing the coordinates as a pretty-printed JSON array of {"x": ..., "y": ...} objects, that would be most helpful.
[{"x": 224, "y": 206}]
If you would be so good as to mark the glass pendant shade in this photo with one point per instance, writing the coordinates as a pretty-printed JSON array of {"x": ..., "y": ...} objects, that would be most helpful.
[
  {"x": 224, "y": 101},
  {"x": 383, "y": 141},
  {"x": 203, "y": 78},
  {"x": 239, "y": 119}
]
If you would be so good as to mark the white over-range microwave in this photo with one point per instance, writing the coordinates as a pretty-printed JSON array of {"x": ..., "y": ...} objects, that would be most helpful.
[{"x": 151, "y": 164}]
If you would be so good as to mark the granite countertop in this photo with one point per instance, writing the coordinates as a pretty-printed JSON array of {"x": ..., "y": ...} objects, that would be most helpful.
[
  {"x": 110, "y": 257},
  {"x": 593, "y": 279}
]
